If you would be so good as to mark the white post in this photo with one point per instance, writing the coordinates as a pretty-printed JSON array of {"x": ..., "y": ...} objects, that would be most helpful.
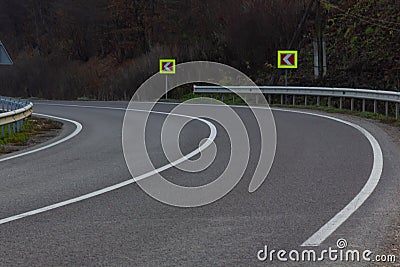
[
  {"x": 286, "y": 77},
  {"x": 387, "y": 109},
  {"x": 166, "y": 86},
  {"x": 352, "y": 104}
]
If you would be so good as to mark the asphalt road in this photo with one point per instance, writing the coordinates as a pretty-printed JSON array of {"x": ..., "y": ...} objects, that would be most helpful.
[{"x": 320, "y": 166}]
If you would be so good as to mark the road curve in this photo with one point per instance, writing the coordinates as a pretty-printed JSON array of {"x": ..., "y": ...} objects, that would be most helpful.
[{"x": 320, "y": 166}]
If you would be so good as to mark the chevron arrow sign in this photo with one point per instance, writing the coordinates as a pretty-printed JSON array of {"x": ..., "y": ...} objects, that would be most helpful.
[{"x": 287, "y": 59}]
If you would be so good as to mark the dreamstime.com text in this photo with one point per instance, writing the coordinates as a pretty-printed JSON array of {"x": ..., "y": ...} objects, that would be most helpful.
[{"x": 340, "y": 254}]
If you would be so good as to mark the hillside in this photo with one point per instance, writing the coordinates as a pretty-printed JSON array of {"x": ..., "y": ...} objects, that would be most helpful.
[
  {"x": 363, "y": 45},
  {"x": 105, "y": 49}
]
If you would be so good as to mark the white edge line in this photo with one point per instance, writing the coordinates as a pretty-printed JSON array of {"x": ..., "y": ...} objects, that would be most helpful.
[
  {"x": 78, "y": 129},
  {"x": 326, "y": 230},
  {"x": 210, "y": 139}
]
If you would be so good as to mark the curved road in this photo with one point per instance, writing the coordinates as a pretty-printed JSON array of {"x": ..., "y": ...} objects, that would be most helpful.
[{"x": 320, "y": 166}]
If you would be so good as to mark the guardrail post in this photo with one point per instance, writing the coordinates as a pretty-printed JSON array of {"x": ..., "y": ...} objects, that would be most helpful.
[
  {"x": 341, "y": 103},
  {"x": 9, "y": 129},
  {"x": 397, "y": 111},
  {"x": 363, "y": 105},
  {"x": 269, "y": 100},
  {"x": 352, "y": 104},
  {"x": 329, "y": 101},
  {"x": 375, "y": 106},
  {"x": 2, "y": 131},
  {"x": 281, "y": 99},
  {"x": 233, "y": 100},
  {"x": 318, "y": 100},
  {"x": 294, "y": 100},
  {"x": 305, "y": 100},
  {"x": 222, "y": 97},
  {"x": 387, "y": 109}
]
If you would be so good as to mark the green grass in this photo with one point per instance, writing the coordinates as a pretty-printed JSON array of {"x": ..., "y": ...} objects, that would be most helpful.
[
  {"x": 228, "y": 98},
  {"x": 19, "y": 138},
  {"x": 31, "y": 127},
  {"x": 85, "y": 98}
]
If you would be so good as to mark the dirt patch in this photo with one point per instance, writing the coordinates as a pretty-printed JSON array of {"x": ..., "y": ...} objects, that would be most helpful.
[{"x": 35, "y": 131}]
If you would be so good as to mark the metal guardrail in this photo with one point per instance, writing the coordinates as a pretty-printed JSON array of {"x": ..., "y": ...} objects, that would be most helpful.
[
  {"x": 340, "y": 93},
  {"x": 13, "y": 114}
]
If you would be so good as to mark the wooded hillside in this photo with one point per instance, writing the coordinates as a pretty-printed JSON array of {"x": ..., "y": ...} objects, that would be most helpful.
[{"x": 104, "y": 49}]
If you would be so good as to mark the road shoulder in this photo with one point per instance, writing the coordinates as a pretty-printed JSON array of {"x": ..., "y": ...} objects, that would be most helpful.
[{"x": 376, "y": 225}]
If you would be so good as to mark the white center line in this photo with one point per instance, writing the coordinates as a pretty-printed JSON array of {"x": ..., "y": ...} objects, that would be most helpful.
[{"x": 213, "y": 134}]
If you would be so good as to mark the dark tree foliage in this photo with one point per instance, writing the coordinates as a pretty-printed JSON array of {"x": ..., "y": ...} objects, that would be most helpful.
[{"x": 104, "y": 49}]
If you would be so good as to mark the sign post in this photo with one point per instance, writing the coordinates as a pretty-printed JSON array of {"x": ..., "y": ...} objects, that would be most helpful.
[
  {"x": 167, "y": 66},
  {"x": 287, "y": 59},
  {"x": 5, "y": 58},
  {"x": 317, "y": 54}
]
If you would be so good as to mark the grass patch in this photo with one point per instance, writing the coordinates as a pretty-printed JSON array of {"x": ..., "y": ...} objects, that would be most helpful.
[
  {"x": 32, "y": 126},
  {"x": 229, "y": 99},
  {"x": 85, "y": 98},
  {"x": 15, "y": 139}
]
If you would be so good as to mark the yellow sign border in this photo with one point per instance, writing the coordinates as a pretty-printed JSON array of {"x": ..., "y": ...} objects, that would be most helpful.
[
  {"x": 173, "y": 61},
  {"x": 288, "y": 52}
]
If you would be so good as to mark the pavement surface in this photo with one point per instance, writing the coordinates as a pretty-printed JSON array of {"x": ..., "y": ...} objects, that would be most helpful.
[{"x": 320, "y": 166}]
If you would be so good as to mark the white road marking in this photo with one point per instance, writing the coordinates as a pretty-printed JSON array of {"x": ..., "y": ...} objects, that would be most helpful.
[
  {"x": 286, "y": 59},
  {"x": 166, "y": 66},
  {"x": 78, "y": 129},
  {"x": 213, "y": 134},
  {"x": 325, "y": 231},
  {"x": 315, "y": 240}
]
